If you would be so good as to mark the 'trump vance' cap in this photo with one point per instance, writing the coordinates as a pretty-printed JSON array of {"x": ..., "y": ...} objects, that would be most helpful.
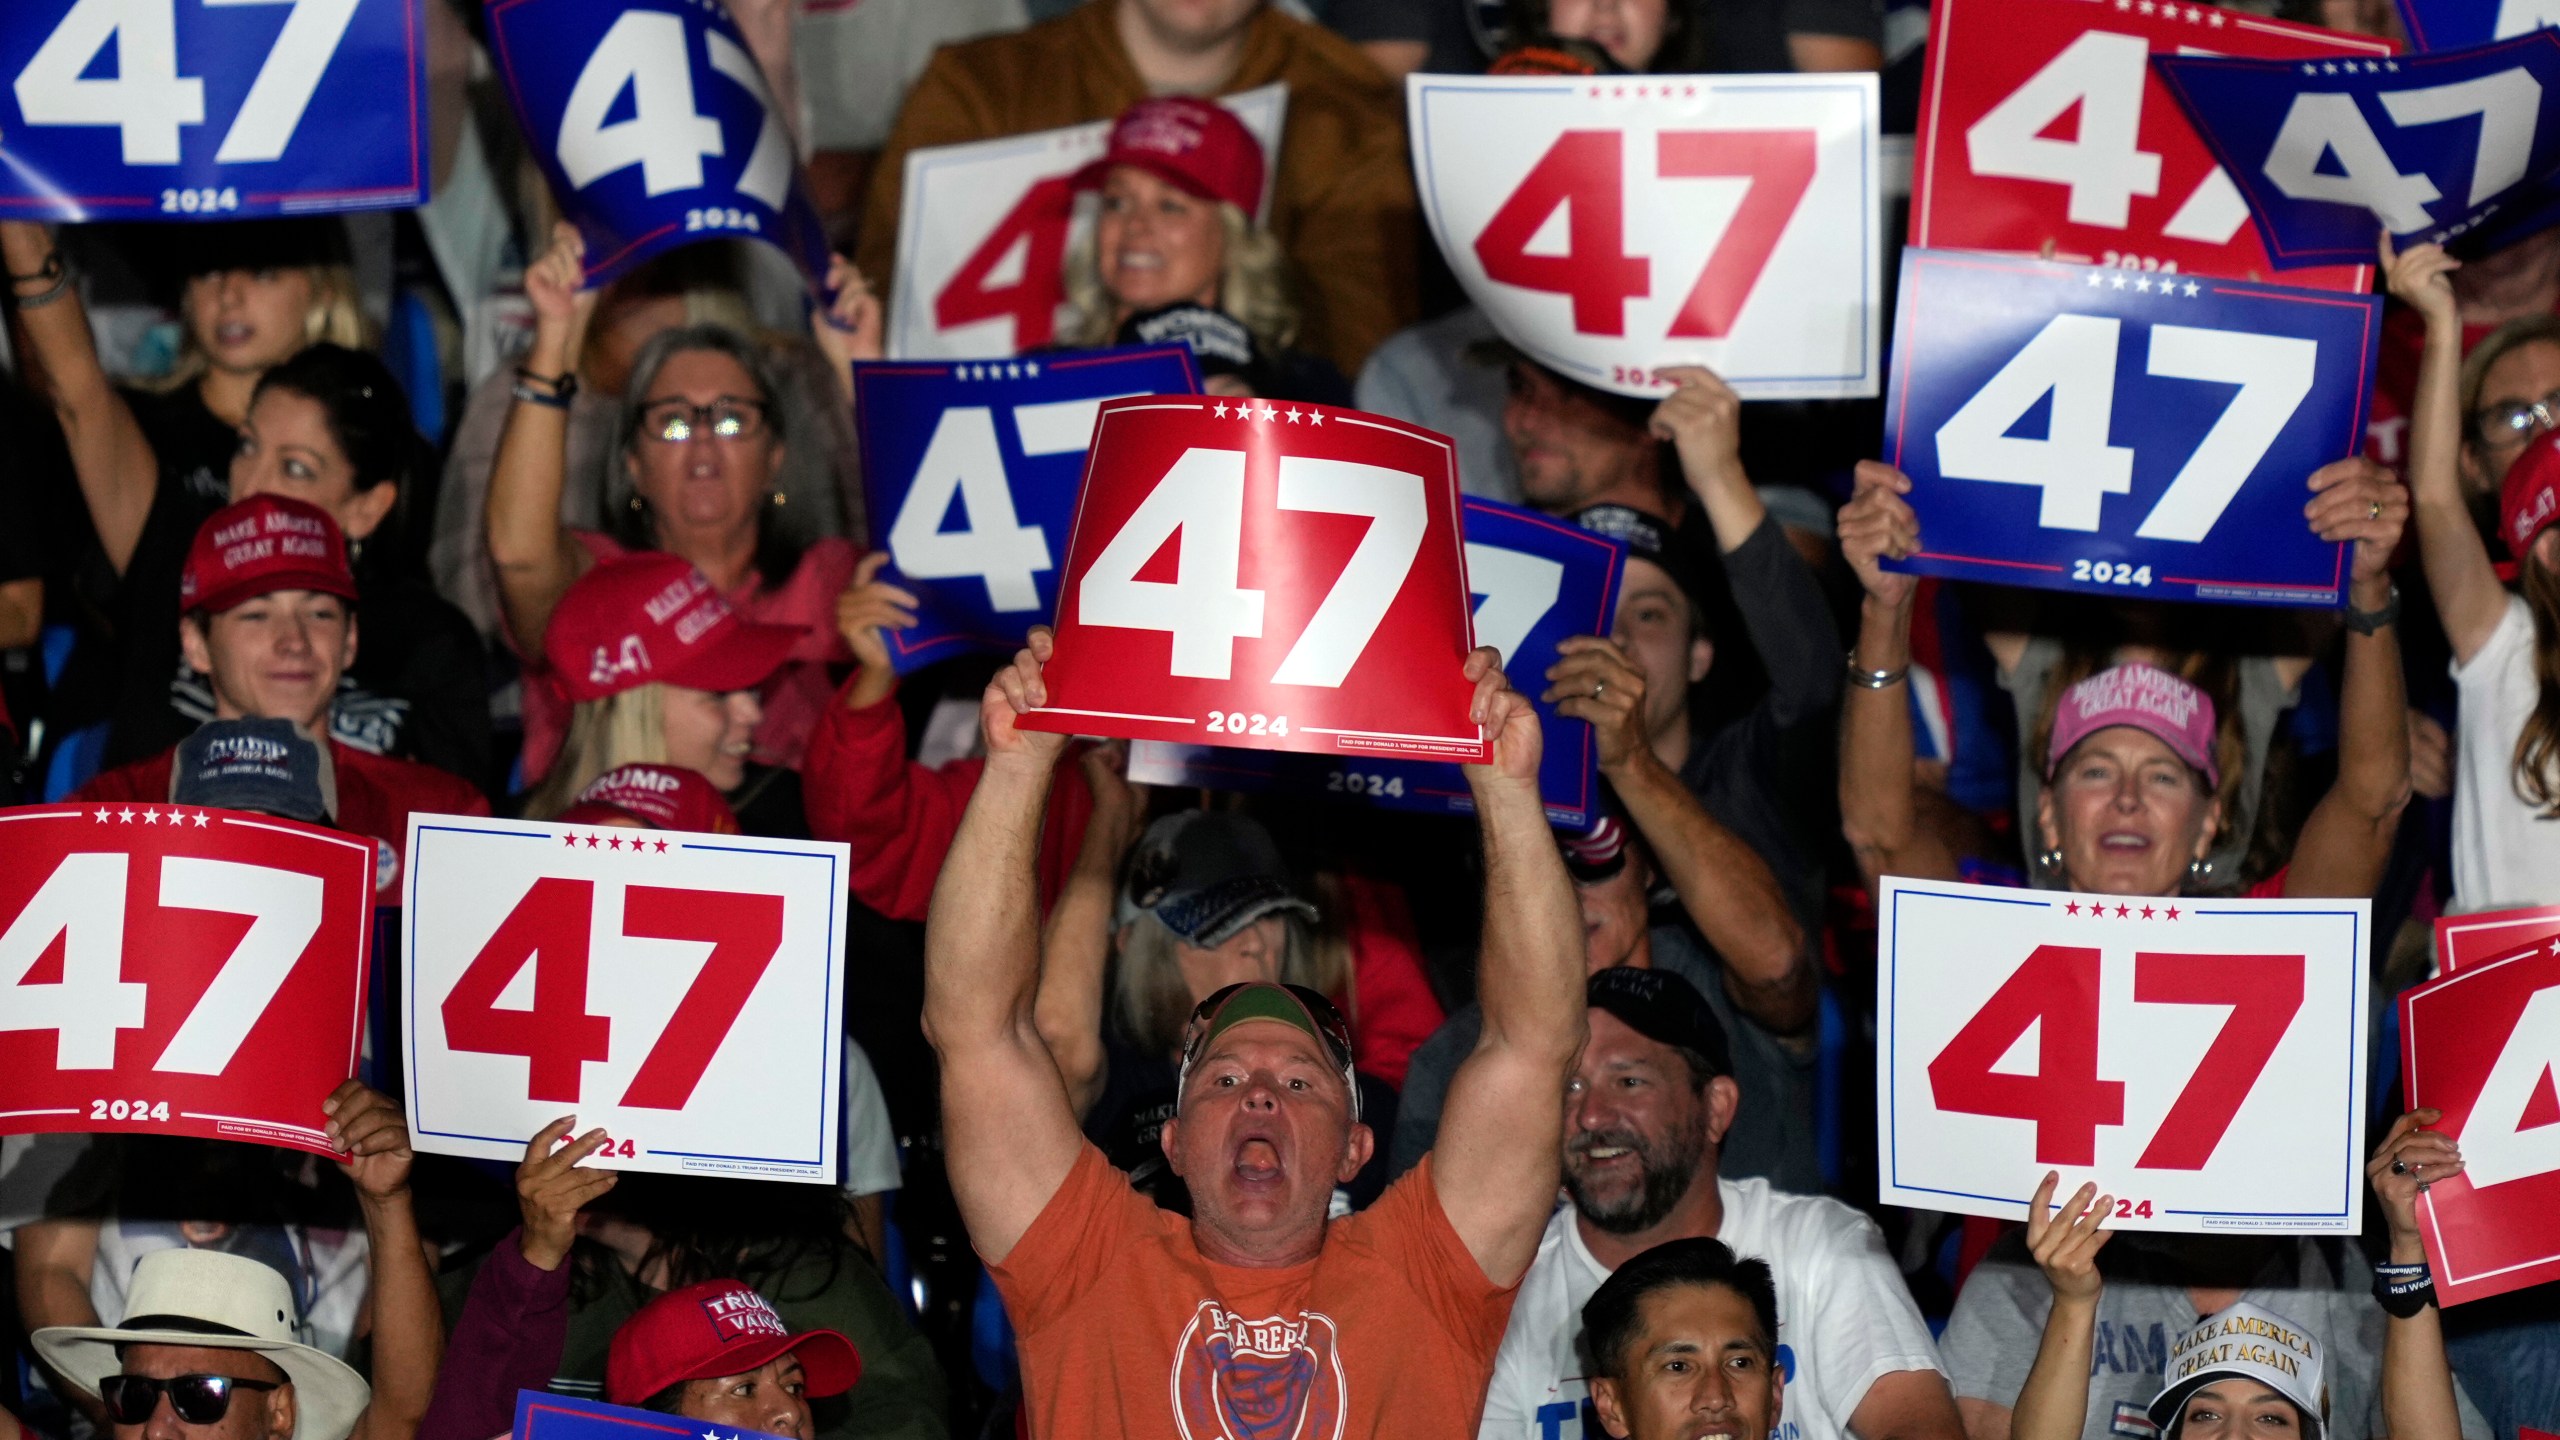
[
  {"x": 2529, "y": 499},
  {"x": 717, "y": 1328},
  {"x": 1192, "y": 144},
  {"x": 652, "y": 618},
  {"x": 262, "y": 544},
  {"x": 1663, "y": 1008},
  {"x": 1292, "y": 1005},
  {"x": 2252, "y": 1344},
  {"x": 2151, "y": 700},
  {"x": 662, "y": 797},
  {"x": 256, "y": 764}
]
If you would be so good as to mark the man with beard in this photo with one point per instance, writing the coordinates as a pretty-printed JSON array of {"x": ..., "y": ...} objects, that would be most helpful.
[
  {"x": 1254, "y": 1314},
  {"x": 1645, "y": 1118}
]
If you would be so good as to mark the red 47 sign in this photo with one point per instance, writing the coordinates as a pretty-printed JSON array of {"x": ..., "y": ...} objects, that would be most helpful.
[
  {"x": 1265, "y": 575},
  {"x": 684, "y": 992},
  {"x": 2482, "y": 1045},
  {"x": 2200, "y": 1060},
  {"x": 984, "y": 229},
  {"x": 1610, "y": 227},
  {"x": 2041, "y": 123},
  {"x": 173, "y": 970},
  {"x": 2463, "y": 941}
]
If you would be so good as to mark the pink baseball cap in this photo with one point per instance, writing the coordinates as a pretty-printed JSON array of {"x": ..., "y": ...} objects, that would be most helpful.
[
  {"x": 651, "y": 618},
  {"x": 662, "y": 797},
  {"x": 2147, "y": 698},
  {"x": 1192, "y": 144},
  {"x": 2529, "y": 500}
]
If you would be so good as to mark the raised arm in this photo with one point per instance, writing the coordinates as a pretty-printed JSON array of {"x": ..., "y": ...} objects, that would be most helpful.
[
  {"x": 2417, "y": 1382},
  {"x": 58, "y": 356},
  {"x": 1877, "y": 810},
  {"x": 1496, "y": 1163},
  {"x": 1075, "y": 945},
  {"x": 2347, "y": 838},
  {"x": 1724, "y": 884},
  {"x": 2465, "y": 585},
  {"x": 849, "y": 325},
  {"x": 2055, "y": 1399},
  {"x": 536, "y": 559},
  {"x": 407, "y": 1322},
  {"x": 1007, "y": 1127}
]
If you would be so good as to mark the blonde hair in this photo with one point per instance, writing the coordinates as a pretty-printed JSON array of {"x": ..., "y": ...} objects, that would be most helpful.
[
  {"x": 333, "y": 316},
  {"x": 1151, "y": 1001},
  {"x": 1254, "y": 285},
  {"x": 624, "y": 728}
]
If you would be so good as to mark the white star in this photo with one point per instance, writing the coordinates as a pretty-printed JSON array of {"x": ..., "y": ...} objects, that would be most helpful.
[
  {"x": 2213, "y": 18},
  {"x": 1269, "y": 414},
  {"x": 201, "y": 822},
  {"x": 2116, "y": 281},
  {"x": 2124, "y": 4},
  {"x": 2373, "y": 67},
  {"x": 2191, "y": 287},
  {"x": 1013, "y": 372},
  {"x": 1314, "y": 418},
  {"x": 2096, "y": 279},
  {"x": 1293, "y": 417},
  {"x": 149, "y": 816},
  {"x": 2555, "y": 945},
  {"x": 2194, "y": 14},
  {"x": 2142, "y": 283},
  {"x": 2310, "y": 68},
  {"x": 1031, "y": 368},
  {"x": 127, "y": 816},
  {"x": 2329, "y": 67},
  {"x": 2146, "y": 7},
  {"x": 103, "y": 813},
  {"x": 2391, "y": 66},
  {"x": 1221, "y": 411}
]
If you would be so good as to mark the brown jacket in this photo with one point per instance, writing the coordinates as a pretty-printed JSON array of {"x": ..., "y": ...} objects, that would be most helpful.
[{"x": 1343, "y": 205}]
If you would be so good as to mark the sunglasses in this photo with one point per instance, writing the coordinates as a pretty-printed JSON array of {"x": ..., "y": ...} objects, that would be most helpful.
[
  {"x": 196, "y": 1399},
  {"x": 673, "y": 422}
]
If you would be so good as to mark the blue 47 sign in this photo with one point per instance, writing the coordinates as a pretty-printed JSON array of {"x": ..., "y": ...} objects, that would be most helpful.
[
  {"x": 219, "y": 109},
  {"x": 2453, "y": 24},
  {"x": 2429, "y": 147},
  {"x": 654, "y": 127},
  {"x": 1536, "y": 580},
  {"x": 973, "y": 468},
  {"x": 2083, "y": 428}
]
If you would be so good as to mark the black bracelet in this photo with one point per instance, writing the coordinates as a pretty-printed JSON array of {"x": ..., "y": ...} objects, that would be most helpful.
[
  {"x": 563, "y": 386},
  {"x": 2370, "y": 622},
  {"x": 2404, "y": 1290},
  {"x": 56, "y": 278},
  {"x": 50, "y": 272},
  {"x": 531, "y": 396}
]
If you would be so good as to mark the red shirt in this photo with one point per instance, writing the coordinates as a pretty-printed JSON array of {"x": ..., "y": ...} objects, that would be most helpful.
[{"x": 376, "y": 796}]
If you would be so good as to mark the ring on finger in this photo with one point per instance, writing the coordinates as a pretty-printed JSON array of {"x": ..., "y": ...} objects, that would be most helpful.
[
  {"x": 2399, "y": 1167},
  {"x": 2373, "y": 510}
]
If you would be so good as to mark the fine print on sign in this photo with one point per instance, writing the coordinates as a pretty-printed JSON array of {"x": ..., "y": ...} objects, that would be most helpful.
[
  {"x": 984, "y": 230},
  {"x": 2430, "y": 147},
  {"x": 1536, "y": 580},
  {"x": 2482, "y": 1045},
  {"x": 1614, "y": 226},
  {"x": 211, "y": 109},
  {"x": 976, "y": 463},
  {"x": 2463, "y": 941},
  {"x": 1267, "y": 575},
  {"x": 683, "y": 992},
  {"x": 2200, "y": 1060},
  {"x": 654, "y": 127},
  {"x": 174, "y": 970},
  {"x": 2085, "y": 428},
  {"x": 2128, "y": 182}
]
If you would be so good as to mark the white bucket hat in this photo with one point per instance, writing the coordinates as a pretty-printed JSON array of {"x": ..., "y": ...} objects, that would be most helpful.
[
  {"x": 2252, "y": 1344},
  {"x": 223, "y": 1302}
]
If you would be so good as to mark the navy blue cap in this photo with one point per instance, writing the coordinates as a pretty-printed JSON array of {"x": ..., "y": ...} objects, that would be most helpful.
[
  {"x": 266, "y": 766},
  {"x": 1664, "y": 1008}
]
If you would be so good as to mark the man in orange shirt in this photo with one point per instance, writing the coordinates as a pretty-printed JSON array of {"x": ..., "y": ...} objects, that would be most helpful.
[
  {"x": 1342, "y": 203},
  {"x": 1256, "y": 1315}
]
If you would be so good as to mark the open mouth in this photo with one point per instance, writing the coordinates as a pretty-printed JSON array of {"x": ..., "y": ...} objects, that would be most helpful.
[
  {"x": 1257, "y": 1161},
  {"x": 234, "y": 334},
  {"x": 2124, "y": 841}
]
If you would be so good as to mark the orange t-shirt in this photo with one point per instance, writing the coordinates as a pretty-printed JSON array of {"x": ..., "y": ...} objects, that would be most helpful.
[{"x": 1124, "y": 1329}]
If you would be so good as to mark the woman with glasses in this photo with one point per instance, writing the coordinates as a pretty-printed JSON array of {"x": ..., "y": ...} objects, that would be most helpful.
[
  {"x": 2506, "y": 646},
  {"x": 703, "y": 443}
]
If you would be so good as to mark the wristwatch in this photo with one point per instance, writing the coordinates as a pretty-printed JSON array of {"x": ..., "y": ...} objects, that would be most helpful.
[{"x": 2370, "y": 622}]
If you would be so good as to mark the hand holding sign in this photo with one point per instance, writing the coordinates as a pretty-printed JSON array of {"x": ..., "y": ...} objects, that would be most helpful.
[{"x": 2480, "y": 1049}]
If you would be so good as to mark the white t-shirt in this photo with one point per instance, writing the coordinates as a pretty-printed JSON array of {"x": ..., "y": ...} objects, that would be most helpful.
[
  {"x": 870, "y": 1141},
  {"x": 1845, "y": 1319},
  {"x": 2502, "y": 856}
]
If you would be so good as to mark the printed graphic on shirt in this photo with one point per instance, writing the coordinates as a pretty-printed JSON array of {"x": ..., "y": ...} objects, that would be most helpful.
[{"x": 1267, "y": 1379}]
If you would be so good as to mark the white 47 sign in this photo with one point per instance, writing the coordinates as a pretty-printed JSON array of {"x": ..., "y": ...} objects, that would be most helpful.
[
  {"x": 1613, "y": 227},
  {"x": 2200, "y": 1060}
]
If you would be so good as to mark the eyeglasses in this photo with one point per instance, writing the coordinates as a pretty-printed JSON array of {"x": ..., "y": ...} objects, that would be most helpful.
[
  {"x": 673, "y": 422},
  {"x": 197, "y": 1399},
  {"x": 2518, "y": 422}
]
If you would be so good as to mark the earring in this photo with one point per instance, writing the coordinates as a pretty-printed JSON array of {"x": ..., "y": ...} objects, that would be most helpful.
[
  {"x": 779, "y": 499},
  {"x": 2199, "y": 871},
  {"x": 637, "y": 504},
  {"x": 2050, "y": 861}
]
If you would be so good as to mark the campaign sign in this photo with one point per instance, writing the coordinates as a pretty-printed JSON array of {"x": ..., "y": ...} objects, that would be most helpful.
[
  {"x": 654, "y": 127},
  {"x": 978, "y": 462},
  {"x": 1997, "y": 167},
  {"x": 2200, "y": 1060},
  {"x": 211, "y": 109},
  {"x": 541, "y": 1415},
  {"x": 2463, "y": 941},
  {"x": 2086, "y": 428},
  {"x": 174, "y": 970},
  {"x": 984, "y": 230},
  {"x": 2429, "y": 147},
  {"x": 2456, "y": 24},
  {"x": 1613, "y": 226},
  {"x": 1536, "y": 580},
  {"x": 2481, "y": 1045},
  {"x": 684, "y": 992},
  {"x": 1265, "y": 575}
]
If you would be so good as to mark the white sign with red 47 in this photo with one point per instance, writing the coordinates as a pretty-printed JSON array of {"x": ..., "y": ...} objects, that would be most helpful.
[
  {"x": 2200, "y": 1060},
  {"x": 682, "y": 992},
  {"x": 985, "y": 228},
  {"x": 1613, "y": 226}
]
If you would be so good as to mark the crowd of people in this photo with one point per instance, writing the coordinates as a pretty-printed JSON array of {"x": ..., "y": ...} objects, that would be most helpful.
[{"x": 1193, "y": 1112}]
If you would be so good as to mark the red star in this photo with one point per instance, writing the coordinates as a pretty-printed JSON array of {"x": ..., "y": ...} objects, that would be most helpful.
[
  {"x": 2123, "y": 911},
  {"x": 614, "y": 844},
  {"x": 591, "y": 842},
  {"x": 662, "y": 847},
  {"x": 569, "y": 840},
  {"x": 2173, "y": 912},
  {"x": 2146, "y": 912},
  {"x": 2071, "y": 908}
]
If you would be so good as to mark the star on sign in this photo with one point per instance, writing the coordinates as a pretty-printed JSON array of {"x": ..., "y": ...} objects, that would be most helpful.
[
  {"x": 1220, "y": 411},
  {"x": 2142, "y": 283},
  {"x": 2329, "y": 67},
  {"x": 2192, "y": 287},
  {"x": 149, "y": 816},
  {"x": 1013, "y": 372},
  {"x": 2117, "y": 281},
  {"x": 2391, "y": 67},
  {"x": 2146, "y": 7},
  {"x": 201, "y": 822},
  {"x": 1268, "y": 414},
  {"x": 2555, "y": 945},
  {"x": 126, "y": 816},
  {"x": 2173, "y": 912},
  {"x": 1314, "y": 418},
  {"x": 2147, "y": 912},
  {"x": 2310, "y": 67},
  {"x": 2124, "y": 912},
  {"x": 614, "y": 844},
  {"x": 662, "y": 847},
  {"x": 1293, "y": 417},
  {"x": 103, "y": 813},
  {"x": 2071, "y": 907},
  {"x": 2213, "y": 18},
  {"x": 1031, "y": 368},
  {"x": 591, "y": 842},
  {"x": 2194, "y": 14},
  {"x": 2096, "y": 279},
  {"x": 569, "y": 840}
]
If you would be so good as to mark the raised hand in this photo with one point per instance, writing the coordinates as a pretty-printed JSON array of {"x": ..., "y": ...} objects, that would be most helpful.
[
  {"x": 551, "y": 1190},
  {"x": 1596, "y": 682},
  {"x": 555, "y": 282},
  {"x": 868, "y": 608},
  {"x": 1703, "y": 421},
  {"x": 369, "y": 1130},
  {"x": 2421, "y": 277},
  {"x": 1019, "y": 689},
  {"x": 850, "y": 325},
  {"x": 2065, "y": 1243},
  {"x": 1876, "y": 523},
  {"x": 2410, "y": 1159},
  {"x": 2359, "y": 500},
  {"x": 1508, "y": 720}
]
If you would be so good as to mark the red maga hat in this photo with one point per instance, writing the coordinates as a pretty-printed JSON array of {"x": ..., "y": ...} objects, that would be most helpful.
[
  {"x": 262, "y": 544},
  {"x": 717, "y": 1328},
  {"x": 662, "y": 797},
  {"x": 1192, "y": 144},
  {"x": 2529, "y": 500},
  {"x": 652, "y": 618}
]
